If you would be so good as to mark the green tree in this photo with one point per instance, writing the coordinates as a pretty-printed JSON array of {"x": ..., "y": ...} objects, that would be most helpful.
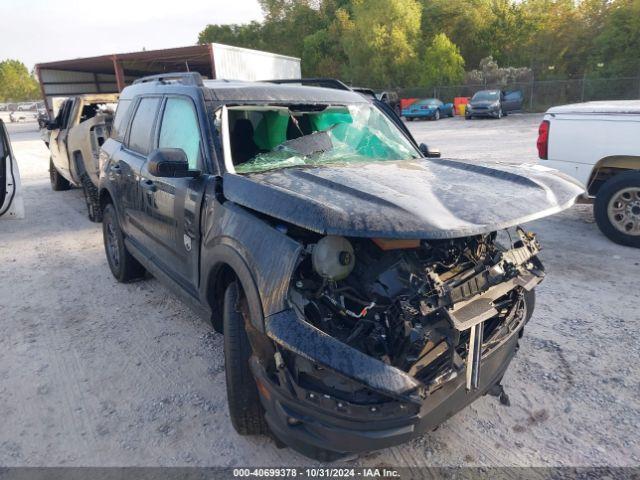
[
  {"x": 247, "y": 36},
  {"x": 617, "y": 47},
  {"x": 555, "y": 25},
  {"x": 16, "y": 84},
  {"x": 392, "y": 43},
  {"x": 442, "y": 63},
  {"x": 380, "y": 40},
  {"x": 463, "y": 21}
]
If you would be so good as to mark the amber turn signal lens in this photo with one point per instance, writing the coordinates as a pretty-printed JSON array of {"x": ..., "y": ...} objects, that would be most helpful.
[{"x": 390, "y": 244}]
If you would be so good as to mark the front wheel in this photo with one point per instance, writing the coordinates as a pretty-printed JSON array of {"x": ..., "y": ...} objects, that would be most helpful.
[
  {"x": 58, "y": 182},
  {"x": 437, "y": 115},
  {"x": 500, "y": 114},
  {"x": 245, "y": 409},
  {"x": 123, "y": 266},
  {"x": 617, "y": 208}
]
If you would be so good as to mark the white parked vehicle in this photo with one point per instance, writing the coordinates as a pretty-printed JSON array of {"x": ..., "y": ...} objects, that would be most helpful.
[
  {"x": 11, "y": 202},
  {"x": 598, "y": 143}
]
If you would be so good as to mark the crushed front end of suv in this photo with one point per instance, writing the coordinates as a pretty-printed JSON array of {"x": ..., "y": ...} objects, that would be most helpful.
[{"x": 366, "y": 293}]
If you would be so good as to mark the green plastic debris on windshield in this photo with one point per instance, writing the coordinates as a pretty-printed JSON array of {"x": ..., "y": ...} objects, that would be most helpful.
[
  {"x": 271, "y": 130},
  {"x": 326, "y": 120},
  {"x": 359, "y": 133}
]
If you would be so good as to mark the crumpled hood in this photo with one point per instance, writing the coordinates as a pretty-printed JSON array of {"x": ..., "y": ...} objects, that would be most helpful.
[{"x": 428, "y": 199}]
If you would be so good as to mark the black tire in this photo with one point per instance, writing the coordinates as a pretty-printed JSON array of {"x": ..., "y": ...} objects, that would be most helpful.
[
  {"x": 245, "y": 409},
  {"x": 123, "y": 266},
  {"x": 500, "y": 113},
  {"x": 468, "y": 117},
  {"x": 611, "y": 189},
  {"x": 436, "y": 116},
  {"x": 92, "y": 198},
  {"x": 58, "y": 182},
  {"x": 409, "y": 119}
]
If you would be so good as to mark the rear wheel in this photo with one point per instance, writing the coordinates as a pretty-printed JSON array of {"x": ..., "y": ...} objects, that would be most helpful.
[
  {"x": 92, "y": 198},
  {"x": 617, "y": 208},
  {"x": 58, "y": 182},
  {"x": 123, "y": 266},
  {"x": 245, "y": 409}
]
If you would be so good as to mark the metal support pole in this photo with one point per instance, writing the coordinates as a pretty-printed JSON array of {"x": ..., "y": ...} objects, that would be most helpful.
[
  {"x": 211, "y": 59},
  {"x": 117, "y": 68},
  {"x": 47, "y": 105}
]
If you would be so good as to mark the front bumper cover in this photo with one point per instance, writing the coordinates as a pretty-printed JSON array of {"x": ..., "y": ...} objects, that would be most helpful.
[
  {"x": 484, "y": 112},
  {"x": 324, "y": 427}
]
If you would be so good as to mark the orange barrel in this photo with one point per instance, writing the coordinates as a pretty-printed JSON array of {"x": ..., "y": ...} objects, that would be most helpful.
[{"x": 460, "y": 104}]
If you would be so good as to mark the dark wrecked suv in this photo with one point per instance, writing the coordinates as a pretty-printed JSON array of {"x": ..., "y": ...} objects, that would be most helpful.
[{"x": 366, "y": 293}]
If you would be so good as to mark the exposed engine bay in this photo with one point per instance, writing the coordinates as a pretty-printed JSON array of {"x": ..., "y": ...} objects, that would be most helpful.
[{"x": 430, "y": 308}]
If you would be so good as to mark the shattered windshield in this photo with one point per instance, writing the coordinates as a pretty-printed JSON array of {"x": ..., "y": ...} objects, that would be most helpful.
[{"x": 267, "y": 138}]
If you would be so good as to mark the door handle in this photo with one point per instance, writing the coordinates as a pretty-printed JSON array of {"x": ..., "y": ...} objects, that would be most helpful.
[{"x": 148, "y": 185}]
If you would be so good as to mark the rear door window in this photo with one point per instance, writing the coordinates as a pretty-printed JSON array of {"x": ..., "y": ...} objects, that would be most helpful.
[
  {"x": 142, "y": 125},
  {"x": 180, "y": 129}
]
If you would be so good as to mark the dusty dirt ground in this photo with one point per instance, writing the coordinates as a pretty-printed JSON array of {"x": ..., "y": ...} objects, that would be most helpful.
[{"x": 97, "y": 373}]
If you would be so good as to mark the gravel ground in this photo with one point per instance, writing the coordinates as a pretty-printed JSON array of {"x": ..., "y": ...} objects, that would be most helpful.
[{"x": 97, "y": 373}]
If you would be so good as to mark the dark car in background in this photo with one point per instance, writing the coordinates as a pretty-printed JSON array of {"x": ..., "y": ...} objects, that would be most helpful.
[
  {"x": 365, "y": 293},
  {"x": 429, "y": 108},
  {"x": 392, "y": 99},
  {"x": 494, "y": 103}
]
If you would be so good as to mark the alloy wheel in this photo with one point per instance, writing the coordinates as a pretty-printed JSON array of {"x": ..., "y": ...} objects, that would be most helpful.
[{"x": 624, "y": 211}]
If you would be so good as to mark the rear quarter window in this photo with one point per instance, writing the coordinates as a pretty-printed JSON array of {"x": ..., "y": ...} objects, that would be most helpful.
[
  {"x": 119, "y": 121},
  {"x": 142, "y": 124}
]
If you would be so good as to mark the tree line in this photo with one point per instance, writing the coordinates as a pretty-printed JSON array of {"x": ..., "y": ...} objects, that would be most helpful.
[
  {"x": 16, "y": 84},
  {"x": 402, "y": 43}
]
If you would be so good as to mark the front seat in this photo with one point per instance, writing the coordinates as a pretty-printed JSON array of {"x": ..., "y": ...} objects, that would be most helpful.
[{"x": 243, "y": 147}]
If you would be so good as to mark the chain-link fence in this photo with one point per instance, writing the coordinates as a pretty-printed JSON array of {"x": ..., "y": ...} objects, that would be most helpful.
[{"x": 540, "y": 95}]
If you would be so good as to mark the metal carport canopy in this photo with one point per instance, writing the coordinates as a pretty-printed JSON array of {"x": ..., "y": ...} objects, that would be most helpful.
[{"x": 111, "y": 73}]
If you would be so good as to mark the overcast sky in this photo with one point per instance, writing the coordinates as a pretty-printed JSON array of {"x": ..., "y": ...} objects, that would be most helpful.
[{"x": 36, "y": 31}]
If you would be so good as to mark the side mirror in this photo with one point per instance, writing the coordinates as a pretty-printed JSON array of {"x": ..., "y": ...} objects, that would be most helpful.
[
  {"x": 429, "y": 152},
  {"x": 170, "y": 162},
  {"x": 51, "y": 125}
]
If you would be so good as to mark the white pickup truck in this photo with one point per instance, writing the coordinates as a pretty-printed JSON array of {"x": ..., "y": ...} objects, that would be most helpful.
[{"x": 598, "y": 143}]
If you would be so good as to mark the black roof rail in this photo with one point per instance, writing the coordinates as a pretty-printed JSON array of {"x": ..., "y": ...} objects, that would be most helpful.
[
  {"x": 186, "y": 78},
  {"x": 365, "y": 90},
  {"x": 315, "y": 82}
]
